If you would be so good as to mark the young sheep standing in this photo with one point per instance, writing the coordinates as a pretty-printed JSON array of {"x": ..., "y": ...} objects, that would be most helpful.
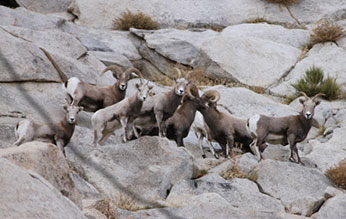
[
  {"x": 289, "y": 129},
  {"x": 93, "y": 97},
  {"x": 106, "y": 121},
  {"x": 222, "y": 127},
  {"x": 57, "y": 133},
  {"x": 158, "y": 108}
]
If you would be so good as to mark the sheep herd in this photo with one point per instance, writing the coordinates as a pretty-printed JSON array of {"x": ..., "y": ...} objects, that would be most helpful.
[{"x": 168, "y": 114}]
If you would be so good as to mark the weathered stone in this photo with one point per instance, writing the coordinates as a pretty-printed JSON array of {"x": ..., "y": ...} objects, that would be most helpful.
[
  {"x": 47, "y": 161},
  {"x": 332, "y": 208},
  {"x": 85, "y": 189},
  {"x": 240, "y": 193},
  {"x": 319, "y": 56},
  {"x": 144, "y": 168},
  {"x": 27, "y": 63},
  {"x": 328, "y": 154},
  {"x": 300, "y": 189},
  {"x": 266, "y": 61},
  {"x": 22, "y": 17},
  {"x": 45, "y": 6},
  {"x": 51, "y": 40},
  {"x": 25, "y": 194}
]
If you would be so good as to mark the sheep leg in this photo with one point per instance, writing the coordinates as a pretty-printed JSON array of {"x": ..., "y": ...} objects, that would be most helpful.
[
  {"x": 19, "y": 141},
  {"x": 211, "y": 147},
  {"x": 105, "y": 136},
  {"x": 95, "y": 143},
  {"x": 160, "y": 124},
  {"x": 200, "y": 139},
  {"x": 124, "y": 124},
  {"x": 255, "y": 149},
  {"x": 293, "y": 149},
  {"x": 60, "y": 144},
  {"x": 229, "y": 146},
  {"x": 179, "y": 139}
]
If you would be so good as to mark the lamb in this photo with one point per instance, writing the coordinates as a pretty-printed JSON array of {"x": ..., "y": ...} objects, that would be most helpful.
[
  {"x": 158, "y": 108},
  {"x": 106, "y": 121},
  {"x": 282, "y": 130},
  {"x": 58, "y": 133},
  {"x": 221, "y": 127},
  {"x": 93, "y": 97}
]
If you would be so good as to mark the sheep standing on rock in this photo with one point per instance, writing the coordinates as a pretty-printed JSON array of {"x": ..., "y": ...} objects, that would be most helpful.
[
  {"x": 93, "y": 97},
  {"x": 57, "y": 133},
  {"x": 222, "y": 127},
  {"x": 106, "y": 121},
  {"x": 158, "y": 108},
  {"x": 282, "y": 130}
]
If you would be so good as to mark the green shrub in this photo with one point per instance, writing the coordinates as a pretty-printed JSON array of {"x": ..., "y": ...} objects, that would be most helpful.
[
  {"x": 313, "y": 83},
  {"x": 137, "y": 20},
  {"x": 327, "y": 31},
  {"x": 285, "y": 2},
  {"x": 338, "y": 174}
]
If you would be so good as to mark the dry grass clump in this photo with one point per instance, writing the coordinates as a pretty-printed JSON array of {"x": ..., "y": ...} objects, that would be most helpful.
[
  {"x": 128, "y": 203},
  {"x": 327, "y": 31},
  {"x": 314, "y": 82},
  {"x": 107, "y": 207},
  {"x": 284, "y": 2},
  {"x": 258, "y": 20},
  {"x": 137, "y": 20},
  {"x": 338, "y": 174},
  {"x": 233, "y": 171}
]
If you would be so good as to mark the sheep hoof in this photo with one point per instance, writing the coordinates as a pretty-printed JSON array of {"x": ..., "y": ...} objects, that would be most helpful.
[{"x": 203, "y": 155}]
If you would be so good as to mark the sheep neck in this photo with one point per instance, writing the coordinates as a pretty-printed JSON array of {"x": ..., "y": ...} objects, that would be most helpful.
[
  {"x": 305, "y": 123},
  {"x": 174, "y": 101},
  {"x": 210, "y": 115},
  {"x": 135, "y": 105}
]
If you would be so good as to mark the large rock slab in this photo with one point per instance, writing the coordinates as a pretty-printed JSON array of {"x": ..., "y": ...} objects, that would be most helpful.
[
  {"x": 45, "y": 6},
  {"x": 144, "y": 169},
  {"x": 276, "y": 33},
  {"x": 209, "y": 205},
  {"x": 25, "y": 194},
  {"x": 243, "y": 103},
  {"x": 300, "y": 189},
  {"x": 319, "y": 56},
  {"x": 51, "y": 40},
  {"x": 240, "y": 193},
  {"x": 23, "y": 61},
  {"x": 181, "y": 46},
  {"x": 252, "y": 61},
  {"x": 328, "y": 154},
  {"x": 22, "y": 17},
  {"x": 47, "y": 161},
  {"x": 332, "y": 208}
]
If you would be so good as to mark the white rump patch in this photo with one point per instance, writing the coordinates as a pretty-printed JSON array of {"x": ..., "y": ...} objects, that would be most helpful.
[
  {"x": 72, "y": 85},
  {"x": 253, "y": 120}
]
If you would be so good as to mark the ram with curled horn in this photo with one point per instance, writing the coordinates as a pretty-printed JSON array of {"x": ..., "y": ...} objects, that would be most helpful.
[
  {"x": 283, "y": 130},
  {"x": 93, "y": 97},
  {"x": 217, "y": 126},
  {"x": 158, "y": 108}
]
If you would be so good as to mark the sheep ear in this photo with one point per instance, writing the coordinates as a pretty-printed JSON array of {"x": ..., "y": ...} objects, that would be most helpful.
[
  {"x": 301, "y": 101},
  {"x": 150, "y": 87},
  {"x": 137, "y": 86},
  {"x": 81, "y": 108},
  {"x": 65, "y": 107},
  {"x": 116, "y": 75},
  {"x": 317, "y": 102},
  {"x": 174, "y": 79}
]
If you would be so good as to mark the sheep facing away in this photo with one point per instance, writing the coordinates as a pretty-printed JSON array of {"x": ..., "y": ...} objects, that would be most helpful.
[
  {"x": 58, "y": 133},
  {"x": 282, "y": 130},
  {"x": 93, "y": 97},
  {"x": 105, "y": 121}
]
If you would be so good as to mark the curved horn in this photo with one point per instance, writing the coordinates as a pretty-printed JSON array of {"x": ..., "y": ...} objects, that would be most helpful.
[
  {"x": 115, "y": 70},
  {"x": 192, "y": 90},
  {"x": 306, "y": 96},
  {"x": 188, "y": 74},
  {"x": 179, "y": 72},
  {"x": 317, "y": 95},
  {"x": 212, "y": 95},
  {"x": 135, "y": 70}
]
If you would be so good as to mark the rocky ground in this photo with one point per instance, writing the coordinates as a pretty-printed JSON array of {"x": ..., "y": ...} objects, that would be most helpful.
[{"x": 44, "y": 43}]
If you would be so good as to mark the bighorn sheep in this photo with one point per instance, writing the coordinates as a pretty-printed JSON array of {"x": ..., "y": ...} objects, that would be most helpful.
[
  {"x": 105, "y": 121},
  {"x": 93, "y": 97},
  {"x": 58, "y": 133},
  {"x": 178, "y": 125},
  {"x": 158, "y": 108},
  {"x": 222, "y": 127},
  {"x": 283, "y": 130}
]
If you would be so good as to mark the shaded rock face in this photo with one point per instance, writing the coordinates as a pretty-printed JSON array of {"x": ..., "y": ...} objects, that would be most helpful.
[
  {"x": 299, "y": 188},
  {"x": 332, "y": 208},
  {"x": 47, "y": 161},
  {"x": 145, "y": 168},
  {"x": 26, "y": 194},
  {"x": 45, "y": 6}
]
